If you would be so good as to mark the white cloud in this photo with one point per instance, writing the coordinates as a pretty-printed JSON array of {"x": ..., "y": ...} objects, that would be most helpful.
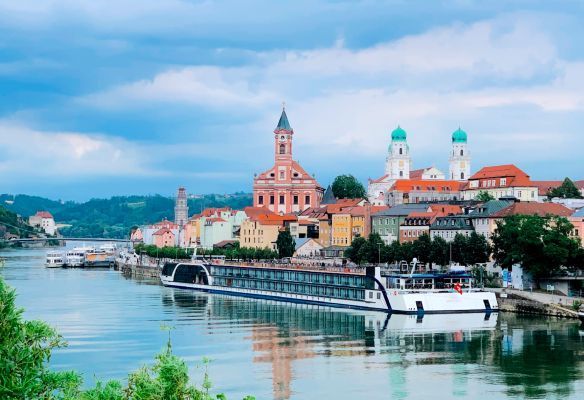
[{"x": 35, "y": 153}]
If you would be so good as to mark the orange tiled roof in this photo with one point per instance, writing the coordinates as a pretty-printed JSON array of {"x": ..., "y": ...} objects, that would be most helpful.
[
  {"x": 438, "y": 185},
  {"x": 446, "y": 209},
  {"x": 515, "y": 176},
  {"x": 529, "y": 208},
  {"x": 417, "y": 173},
  {"x": 44, "y": 214},
  {"x": 162, "y": 231},
  {"x": 543, "y": 187}
]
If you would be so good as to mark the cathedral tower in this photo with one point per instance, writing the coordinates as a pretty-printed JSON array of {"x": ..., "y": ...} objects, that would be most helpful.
[
  {"x": 459, "y": 158},
  {"x": 181, "y": 210},
  {"x": 398, "y": 163}
]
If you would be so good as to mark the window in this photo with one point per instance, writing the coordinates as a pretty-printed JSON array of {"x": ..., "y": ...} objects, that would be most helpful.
[
  {"x": 401, "y": 173},
  {"x": 272, "y": 199},
  {"x": 295, "y": 199},
  {"x": 503, "y": 181},
  {"x": 281, "y": 199},
  {"x": 462, "y": 175},
  {"x": 282, "y": 174},
  {"x": 401, "y": 151},
  {"x": 282, "y": 148},
  {"x": 260, "y": 199},
  {"x": 461, "y": 152},
  {"x": 307, "y": 199}
]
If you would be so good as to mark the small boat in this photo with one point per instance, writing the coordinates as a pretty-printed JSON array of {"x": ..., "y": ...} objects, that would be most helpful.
[{"x": 55, "y": 259}]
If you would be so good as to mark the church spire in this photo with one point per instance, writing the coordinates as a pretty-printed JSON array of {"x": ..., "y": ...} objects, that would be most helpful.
[{"x": 283, "y": 123}]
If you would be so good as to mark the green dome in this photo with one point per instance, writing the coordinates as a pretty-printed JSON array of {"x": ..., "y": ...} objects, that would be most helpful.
[
  {"x": 459, "y": 136},
  {"x": 398, "y": 135}
]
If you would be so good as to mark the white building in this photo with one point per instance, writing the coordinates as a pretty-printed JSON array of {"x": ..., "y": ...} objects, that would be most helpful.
[
  {"x": 398, "y": 166},
  {"x": 459, "y": 169},
  {"x": 501, "y": 181},
  {"x": 307, "y": 248},
  {"x": 43, "y": 220},
  {"x": 221, "y": 225}
]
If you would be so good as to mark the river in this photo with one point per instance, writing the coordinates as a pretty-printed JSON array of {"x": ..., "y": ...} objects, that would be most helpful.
[{"x": 283, "y": 351}]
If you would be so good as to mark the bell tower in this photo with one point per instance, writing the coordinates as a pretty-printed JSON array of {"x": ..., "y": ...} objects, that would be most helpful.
[
  {"x": 283, "y": 138},
  {"x": 459, "y": 157}
]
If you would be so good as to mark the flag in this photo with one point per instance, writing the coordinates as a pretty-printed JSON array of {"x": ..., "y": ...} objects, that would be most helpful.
[{"x": 457, "y": 287}]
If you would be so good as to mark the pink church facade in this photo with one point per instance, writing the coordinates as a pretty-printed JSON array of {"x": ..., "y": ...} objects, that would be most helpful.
[{"x": 286, "y": 187}]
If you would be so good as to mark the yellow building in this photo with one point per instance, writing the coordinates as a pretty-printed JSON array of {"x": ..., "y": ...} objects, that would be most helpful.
[{"x": 261, "y": 228}]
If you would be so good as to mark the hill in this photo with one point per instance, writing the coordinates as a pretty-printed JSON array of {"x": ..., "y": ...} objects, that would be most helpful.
[
  {"x": 12, "y": 223},
  {"x": 114, "y": 217}
]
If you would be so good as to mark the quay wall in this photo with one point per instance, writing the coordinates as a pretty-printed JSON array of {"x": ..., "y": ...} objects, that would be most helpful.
[
  {"x": 140, "y": 271},
  {"x": 521, "y": 305}
]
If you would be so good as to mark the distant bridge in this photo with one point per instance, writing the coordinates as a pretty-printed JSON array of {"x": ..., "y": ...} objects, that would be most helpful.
[{"x": 66, "y": 239}]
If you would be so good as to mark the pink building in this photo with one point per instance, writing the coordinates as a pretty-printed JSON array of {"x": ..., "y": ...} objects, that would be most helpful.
[
  {"x": 286, "y": 187},
  {"x": 163, "y": 237}
]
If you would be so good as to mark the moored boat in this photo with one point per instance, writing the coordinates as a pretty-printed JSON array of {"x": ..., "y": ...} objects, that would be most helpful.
[
  {"x": 55, "y": 259},
  {"x": 364, "y": 288},
  {"x": 76, "y": 256}
]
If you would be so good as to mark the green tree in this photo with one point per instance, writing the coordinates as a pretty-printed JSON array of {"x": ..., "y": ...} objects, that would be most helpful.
[
  {"x": 483, "y": 196},
  {"x": 348, "y": 187},
  {"x": 439, "y": 251},
  {"x": 285, "y": 244},
  {"x": 478, "y": 250},
  {"x": 353, "y": 252},
  {"x": 567, "y": 190},
  {"x": 422, "y": 248},
  {"x": 459, "y": 249},
  {"x": 542, "y": 245}
]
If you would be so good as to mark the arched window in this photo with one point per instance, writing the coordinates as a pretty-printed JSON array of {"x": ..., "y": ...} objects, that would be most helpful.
[
  {"x": 400, "y": 150},
  {"x": 282, "y": 148},
  {"x": 461, "y": 152},
  {"x": 462, "y": 175}
]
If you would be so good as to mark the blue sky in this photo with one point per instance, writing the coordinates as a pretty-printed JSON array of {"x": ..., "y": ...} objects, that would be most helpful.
[{"x": 140, "y": 96}]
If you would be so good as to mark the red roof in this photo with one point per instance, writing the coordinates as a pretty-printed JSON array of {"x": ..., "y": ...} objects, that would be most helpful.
[
  {"x": 44, "y": 214},
  {"x": 162, "y": 231},
  {"x": 379, "y": 179},
  {"x": 531, "y": 208},
  {"x": 417, "y": 173},
  {"x": 446, "y": 209},
  {"x": 435, "y": 185},
  {"x": 513, "y": 177},
  {"x": 166, "y": 224},
  {"x": 543, "y": 187}
]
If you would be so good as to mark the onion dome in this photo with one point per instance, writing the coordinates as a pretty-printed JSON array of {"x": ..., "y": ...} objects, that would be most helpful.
[
  {"x": 398, "y": 135},
  {"x": 459, "y": 136}
]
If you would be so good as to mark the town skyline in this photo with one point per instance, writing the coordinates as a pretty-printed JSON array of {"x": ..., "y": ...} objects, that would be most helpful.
[{"x": 191, "y": 99}]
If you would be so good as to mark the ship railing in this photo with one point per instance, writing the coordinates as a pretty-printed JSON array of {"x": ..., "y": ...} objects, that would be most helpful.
[{"x": 300, "y": 266}]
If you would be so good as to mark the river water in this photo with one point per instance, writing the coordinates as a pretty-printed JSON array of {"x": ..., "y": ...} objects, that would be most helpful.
[{"x": 284, "y": 351}]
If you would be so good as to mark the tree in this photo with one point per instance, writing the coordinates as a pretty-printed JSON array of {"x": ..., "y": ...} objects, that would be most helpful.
[
  {"x": 567, "y": 190},
  {"x": 478, "y": 250},
  {"x": 422, "y": 248},
  {"x": 353, "y": 252},
  {"x": 348, "y": 187},
  {"x": 483, "y": 196},
  {"x": 459, "y": 249},
  {"x": 541, "y": 245},
  {"x": 439, "y": 251},
  {"x": 285, "y": 244}
]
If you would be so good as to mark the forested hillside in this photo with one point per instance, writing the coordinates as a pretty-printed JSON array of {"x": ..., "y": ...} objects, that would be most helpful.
[
  {"x": 11, "y": 223},
  {"x": 115, "y": 217}
]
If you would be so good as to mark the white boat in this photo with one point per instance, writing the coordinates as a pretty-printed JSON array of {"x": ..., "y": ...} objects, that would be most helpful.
[
  {"x": 365, "y": 288},
  {"x": 55, "y": 259},
  {"x": 76, "y": 256}
]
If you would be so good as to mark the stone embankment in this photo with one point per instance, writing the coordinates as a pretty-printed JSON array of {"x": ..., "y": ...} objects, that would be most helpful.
[
  {"x": 535, "y": 303},
  {"x": 139, "y": 271}
]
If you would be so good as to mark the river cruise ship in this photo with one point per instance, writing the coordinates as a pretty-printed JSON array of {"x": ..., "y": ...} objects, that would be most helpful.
[
  {"x": 55, "y": 259},
  {"x": 358, "y": 288}
]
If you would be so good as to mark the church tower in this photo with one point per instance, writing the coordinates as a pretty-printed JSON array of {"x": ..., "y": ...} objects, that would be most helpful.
[
  {"x": 459, "y": 158},
  {"x": 398, "y": 163},
  {"x": 283, "y": 139},
  {"x": 181, "y": 209}
]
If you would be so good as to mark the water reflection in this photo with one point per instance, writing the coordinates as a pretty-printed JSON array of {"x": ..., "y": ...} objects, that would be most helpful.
[{"x": 532, "y": 357}]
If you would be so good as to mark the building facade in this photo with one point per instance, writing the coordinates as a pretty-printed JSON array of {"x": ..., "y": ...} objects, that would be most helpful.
[
  {"x": 448, "y": 227},
  {"x": 43, "y": 220},
  {"x": 386, "y": 223},
  {"x": 501, "y": 181},
  {"x": 286, "y": 187}
]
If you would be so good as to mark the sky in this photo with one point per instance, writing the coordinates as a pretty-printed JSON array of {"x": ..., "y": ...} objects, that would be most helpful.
[{"x": 103, "y": 98}]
